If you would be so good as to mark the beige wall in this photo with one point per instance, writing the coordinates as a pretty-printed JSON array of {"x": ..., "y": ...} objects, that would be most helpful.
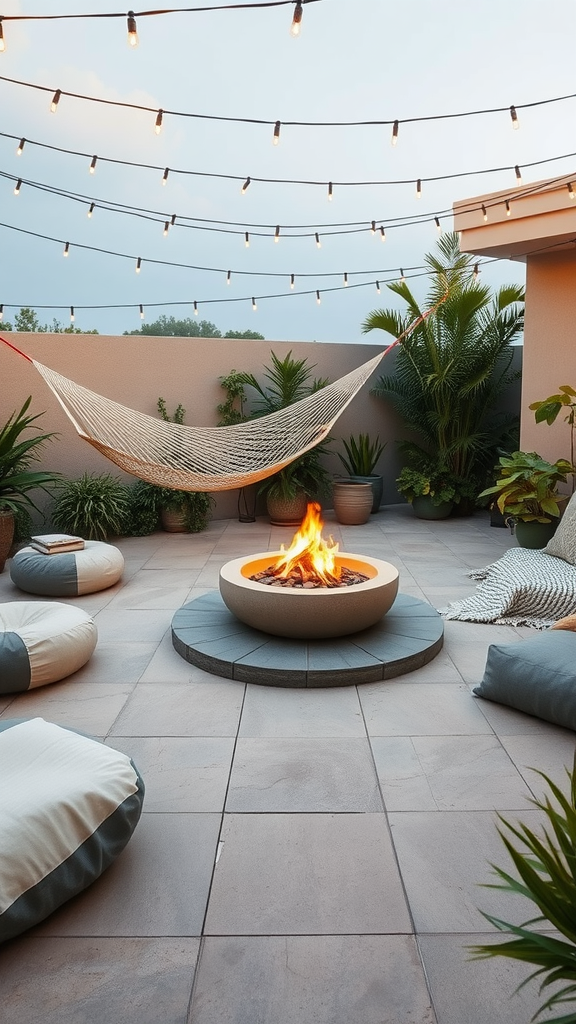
[{"x": 135, "y": 371}]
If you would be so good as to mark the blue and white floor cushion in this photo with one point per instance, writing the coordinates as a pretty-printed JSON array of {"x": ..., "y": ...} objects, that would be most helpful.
[{"x": 68, "y": 806}]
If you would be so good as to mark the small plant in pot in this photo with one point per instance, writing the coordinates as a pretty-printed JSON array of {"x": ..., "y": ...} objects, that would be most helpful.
[
  {"x": 526, "y": 492},
  {"x": 288, "y": 492},
  {"x": 431, "y": 491},
  {"x": 17, "y": 479},
  {"x": 360, "y": 461},
  {"x": 95, "y": 506}
]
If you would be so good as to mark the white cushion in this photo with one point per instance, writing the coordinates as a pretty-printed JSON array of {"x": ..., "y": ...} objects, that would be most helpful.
[
  {"x": 94, "y": 567},
  {"x": 42, "y": 642}
]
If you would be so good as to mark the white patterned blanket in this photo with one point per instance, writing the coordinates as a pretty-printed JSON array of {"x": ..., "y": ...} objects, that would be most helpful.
[{"x": 523, "y": 588}]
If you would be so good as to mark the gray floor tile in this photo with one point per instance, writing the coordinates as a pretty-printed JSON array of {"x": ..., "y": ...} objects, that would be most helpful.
[
  {"x": 134, "y": 624},
  {"x": 181, "y": 773},
  {"x": 274, "y": 711},
  {"x": 117, "y": 662},
  {"x": 552, "y": 752},
  {"x": 91, "y": 707},
  {"x": 327, "y": 979},
  {"x": 285, "y": 775},
  {"x": 83, "y": 980},
  {"x": 402, "y": 708},
  {"x": 182, "y": 709},
  {"x": 306, "y": 874},
  {"x": 158, "y": 886},
  {"x": 445, "y": 858}
]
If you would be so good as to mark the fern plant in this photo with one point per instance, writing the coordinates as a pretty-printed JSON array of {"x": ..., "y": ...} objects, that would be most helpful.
[{"x": 546, "y": 866}]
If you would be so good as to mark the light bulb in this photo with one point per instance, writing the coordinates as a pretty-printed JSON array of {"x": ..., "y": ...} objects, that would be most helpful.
[
  {"x": 419, "y": 189},
  {"x": 132, "y": 33},
  {"x": 1, "y": 310},
  {"x": 373, "y": 227},
  {"x": 295, "y": 26},
  {"x": 21, "y": 145},
  {"x": 571, "y": 191},
  {"x": 165, "y": 175},
  {"x": 292, "y": 280},
  {"x": 277, "y": 233},
  {"x": 402, "y": 278},
  {"x": 345, "y": 280},
  {"x": 246, "y": 239},
  {"x": 476, "y": 270},
  {"x": 66, "y": 249},
  {"x": 92, "y": 167},
  {"x": 318, "y": 242},
  {"x": 438, "y": 225},
  {"x": 195, "y": 308},
  {"x": 518, "y": 175},
  {"x": 378, "y": 287},
  {"x": 138, "y": 264},
  {"x": 508, "y": 210},
  {"x": 55, "y": 101},
  {"x": 141, "y": 311},
  {"x": 484, "y": 213},
  {"x": 395, "y": 128},
  {"x": 228, "y": 277},
  {"x": 17, "y": 187},
  {"x": 276, "y": 136},
  {"x": 254, "y": 306},
  {"x": 318, "y": 299},
  {"x": 2, "y": 42},
  {"x": 330, "y": 191},
  {"x": 173, "y": 219},
  {"x": 72, "y": 317},
  {"x": 382, "y": 234},
  {"x": 158, "y": 123},
  {"x": 514, "y": 116},
  {"x": 245, "y": 187},
  {"x": 166, "y": 227},
  {"x": 91, "y": 209}
]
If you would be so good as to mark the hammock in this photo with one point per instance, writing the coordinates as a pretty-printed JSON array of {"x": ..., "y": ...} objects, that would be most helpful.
[{"x": 206, "y": 458}]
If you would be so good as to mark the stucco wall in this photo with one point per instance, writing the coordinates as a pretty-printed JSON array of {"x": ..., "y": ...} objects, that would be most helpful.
[
  {"x": 135, "y": 371},
  {"x": 549, "y": 348}
]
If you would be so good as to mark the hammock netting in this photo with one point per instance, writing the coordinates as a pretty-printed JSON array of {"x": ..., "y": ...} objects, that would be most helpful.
[{"x": 204, "y": 458}]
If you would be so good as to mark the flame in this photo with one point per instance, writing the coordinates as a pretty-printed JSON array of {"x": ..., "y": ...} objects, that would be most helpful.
[{"x": 309, "y": 555}]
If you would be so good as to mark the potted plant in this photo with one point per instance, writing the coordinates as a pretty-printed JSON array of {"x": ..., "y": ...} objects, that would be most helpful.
[
  {"x": 288, "y": 491},
  {"x": 16, "y": 477},
  {"x": 431, "y": 491},
  {"x": 360, "y": 460},
  {"x": 184, "y": 511},
  {"x": 94, "y": 506},
  {"x": 526, "y": 492}
]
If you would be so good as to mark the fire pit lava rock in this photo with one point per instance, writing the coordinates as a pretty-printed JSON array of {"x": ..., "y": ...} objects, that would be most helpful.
[{"x": 317, "y": 613}]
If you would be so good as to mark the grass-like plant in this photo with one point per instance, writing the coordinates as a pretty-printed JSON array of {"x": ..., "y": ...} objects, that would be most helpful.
[
  {"x": 17, "y": 454},
  {"x": 95, "y": 506},
  {"x": 546, "y": 865},
  {"x": 362, "y": 454}
]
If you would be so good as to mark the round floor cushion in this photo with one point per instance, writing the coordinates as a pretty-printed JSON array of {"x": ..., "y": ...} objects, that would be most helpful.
[
  {"x": 41, "y": 642},
  {"x": 94, "y": 567},
  {"x": 68, "y": 806}
]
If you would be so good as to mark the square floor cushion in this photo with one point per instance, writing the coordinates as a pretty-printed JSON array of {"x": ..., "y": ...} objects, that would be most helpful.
[
  {"x": 68, "y": 806},
  {"x": 537, "y": 676}
]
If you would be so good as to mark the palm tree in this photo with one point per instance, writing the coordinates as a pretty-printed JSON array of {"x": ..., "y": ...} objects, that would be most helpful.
[{"x": 453, "y": 367}]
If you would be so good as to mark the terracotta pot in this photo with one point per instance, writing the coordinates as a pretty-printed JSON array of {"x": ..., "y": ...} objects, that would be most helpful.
[
  {"x": 424, "y": 508},
  {"x": 6, "y": 535},
  {"x": 287, "y": 511},
  {"x": 352, "y": 502},
  {"x": 377, "y": 484},
  {"x": 173, "y": 521}
]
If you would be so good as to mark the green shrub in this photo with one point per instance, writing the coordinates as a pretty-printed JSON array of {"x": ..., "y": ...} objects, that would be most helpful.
[
  {"x": 143, "y": 513},
  {"x": 95, "y": 506}
]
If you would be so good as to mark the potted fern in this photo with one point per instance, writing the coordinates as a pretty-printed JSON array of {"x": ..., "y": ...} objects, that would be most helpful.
[{"x": 362, "y": 454}]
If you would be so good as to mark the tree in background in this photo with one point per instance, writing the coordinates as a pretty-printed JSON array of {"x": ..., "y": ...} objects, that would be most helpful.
[
  {"x": 27, "y": 320},
  {"x": 170, "y": 327}
]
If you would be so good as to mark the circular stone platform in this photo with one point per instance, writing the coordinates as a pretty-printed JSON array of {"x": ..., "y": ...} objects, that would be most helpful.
[{"x": 206, "y": 634}]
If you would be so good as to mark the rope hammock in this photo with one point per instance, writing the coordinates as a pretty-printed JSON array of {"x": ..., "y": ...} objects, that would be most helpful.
[{"x": 206, "y": 458}]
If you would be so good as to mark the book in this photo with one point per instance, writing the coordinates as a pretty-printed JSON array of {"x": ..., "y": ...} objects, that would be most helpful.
[{"x": 52, "y": 543}]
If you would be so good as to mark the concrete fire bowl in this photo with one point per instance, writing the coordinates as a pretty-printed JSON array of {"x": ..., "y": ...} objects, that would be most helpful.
[{"x": 308, "y": 614}]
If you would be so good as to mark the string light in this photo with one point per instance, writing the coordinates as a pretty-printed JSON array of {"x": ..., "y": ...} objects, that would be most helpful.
[
  {"x": 91, "y": 209},
  {"x": 276, "y": 136},
  {"x": 158, "y": 123},
  {"x": 419, "y": 189},
  {"x": 295, "y": 26},
  {"x": 292, "y": 281},
  {"x": 345, "y": 281},
  {"x": 514, "y": 116},
  {"x": 394, "y": 138},
  {"x": 2, "y": 42},
  {"x": 245, "y": 187},
  {"x": 141, "y": 311},
  {"x": 402, "y": 278},
  {"x": 254, "y": 306},
  {"x": 518, "y": 175},
  {"x": 165, "y": 175},
  {"x": 92, "y": 167},
  {"x": 21, "y": 145},
  {"x": 476, "y": 271},
  {"x": 173, "y": 219},
  {"x": 508, "y": 210},
  {"x": 72, "y": 317},
  {"x": 66, "y": 249},
  {"x": 378, "y": 287},
  {"x": 373, "y": 228},
  {"x": 438, "y": 225},
  {"x": 329, "y": 191},
  {"x": 277, "y": 233},
  {"x": 484, "y": 213},
  {"x": 246, "y": 239},
  {"x": 571, "y": 192},
  {"x": 138, "y": 264},
  {"x": 1, "y": 310},
  {"x": 382, "y": 234},
  {"x": 228, "y": 277},
  {"x": 166, "y": 227},
  {"x": 132, "y": 33},
  {"x": 17, "y": 187},
  {"x": 318, "y": 242},
  {"x": 55, "y": 101},
  {"x": 318, "y": 299},
  {"x": 195, "y": 308}
]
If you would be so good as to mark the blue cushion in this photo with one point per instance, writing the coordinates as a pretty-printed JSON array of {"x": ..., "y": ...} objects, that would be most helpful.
[
  {"x": 68, "y": 806},
  {"x": 537, "y": 676}
]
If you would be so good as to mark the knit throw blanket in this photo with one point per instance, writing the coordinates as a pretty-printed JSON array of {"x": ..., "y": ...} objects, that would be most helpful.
[{"x": 523, "y": 588}]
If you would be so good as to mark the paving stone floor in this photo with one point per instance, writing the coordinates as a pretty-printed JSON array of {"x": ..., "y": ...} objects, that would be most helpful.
[{"x": 304, "y": 856}]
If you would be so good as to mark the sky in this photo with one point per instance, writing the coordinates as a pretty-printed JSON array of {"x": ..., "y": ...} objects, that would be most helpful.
[{"x": 354, "y": 60}]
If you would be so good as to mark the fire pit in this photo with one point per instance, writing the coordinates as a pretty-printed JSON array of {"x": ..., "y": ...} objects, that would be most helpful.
[{"x": 312, "y": 590}]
